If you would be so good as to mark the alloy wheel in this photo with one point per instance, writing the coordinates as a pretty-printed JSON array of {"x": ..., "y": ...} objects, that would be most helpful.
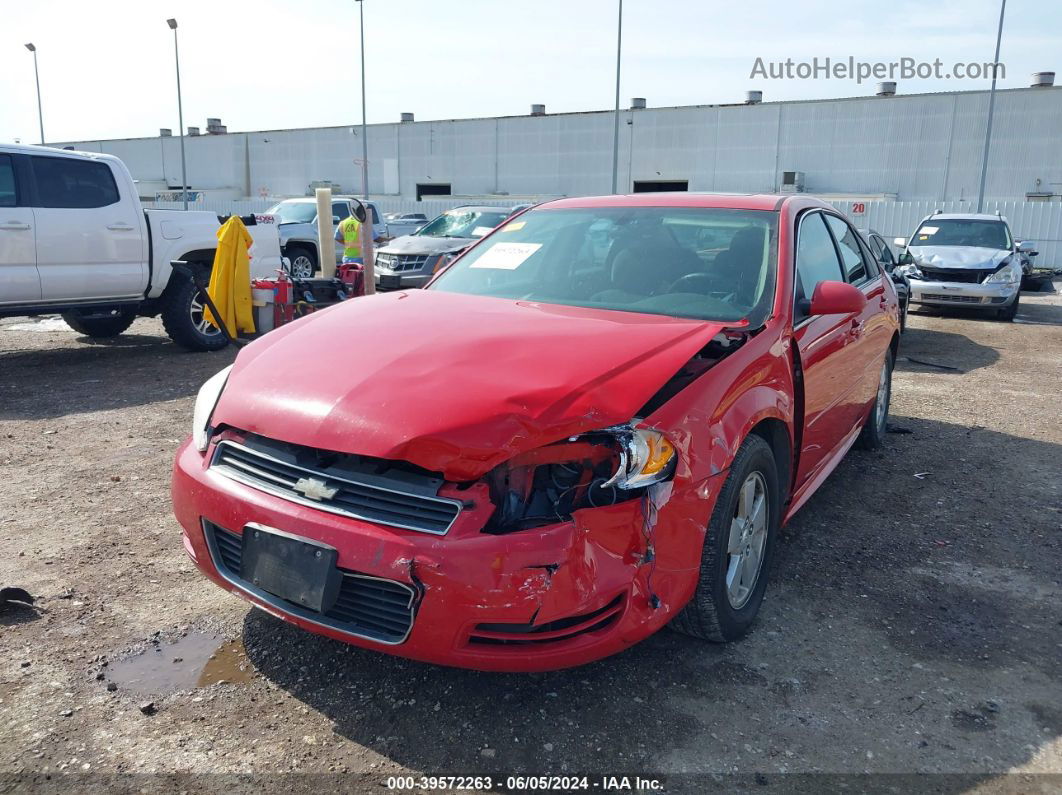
[
  {"x": 199, "y": 321},
  {"x": 748, "y": 538},
  {"x": 881, "y": 405},
  {"x": 302, "y": 267}
]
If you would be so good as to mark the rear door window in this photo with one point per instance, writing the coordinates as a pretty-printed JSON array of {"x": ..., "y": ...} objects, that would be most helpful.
[
  {"x": 69, "y": 183},
  {"x": 8, "y": 194},
  {"x": 856, "y": 269}
]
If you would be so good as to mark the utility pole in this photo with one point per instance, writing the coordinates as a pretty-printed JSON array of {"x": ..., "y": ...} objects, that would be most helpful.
[
  {"x": 364, "y": 136},
  {"x": 37, "y": 75},
  {"x": 991, "y": 110},
  {"x": 615, "y": 125},
  {"x": 180, "y": 113}
]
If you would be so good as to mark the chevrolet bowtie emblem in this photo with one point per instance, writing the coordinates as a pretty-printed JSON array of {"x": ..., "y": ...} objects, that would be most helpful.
[{"x": 314, "y": 489}]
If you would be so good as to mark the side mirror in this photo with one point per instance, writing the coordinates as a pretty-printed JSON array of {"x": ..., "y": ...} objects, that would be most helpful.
[
  {"x": 335, "y": 220},
  {"x": 900, "y": 242},
  {"x": 1027, "y": 247},
  {"x": 836, "y": 298}
]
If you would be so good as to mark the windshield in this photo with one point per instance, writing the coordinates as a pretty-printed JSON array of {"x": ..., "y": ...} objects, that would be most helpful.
[
  {"x": 294, "y": 212},
  {"x": 962, "y": 232},
  {"x": 464, "y": 223},
  {"x": 715, "y": 264}
]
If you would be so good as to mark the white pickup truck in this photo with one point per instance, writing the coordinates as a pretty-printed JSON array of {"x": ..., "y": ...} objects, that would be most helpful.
[{"x": 75, "y": 240}]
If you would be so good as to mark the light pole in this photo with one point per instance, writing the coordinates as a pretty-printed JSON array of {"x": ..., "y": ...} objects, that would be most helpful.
[
  {"x": 37, "y": 75},
  {"x": 615, "y": 126},
  {"x": 180, "y": 112},
  {"x": 991, "y": 110},
  {"x": 364, "y": 137}
]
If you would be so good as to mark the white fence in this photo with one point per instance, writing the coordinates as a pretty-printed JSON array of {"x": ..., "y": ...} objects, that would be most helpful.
[{"x": 1040, "y": 222}]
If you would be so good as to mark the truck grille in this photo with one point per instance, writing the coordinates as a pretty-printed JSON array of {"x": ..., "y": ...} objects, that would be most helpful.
[
  {"x": 369, "y": 607},
  {"x": 404, "y": 500},
  {"x": 400, "y": 263},
  {"x": 954, "y": 276}
]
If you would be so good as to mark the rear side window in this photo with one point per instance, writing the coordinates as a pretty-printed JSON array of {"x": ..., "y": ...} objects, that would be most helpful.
[
  {"x": 816, "y": 258},
  {"x": 69, "y": 183},
  {"x": 8, "y": 196},
  {"x": 856, "y": 270}
]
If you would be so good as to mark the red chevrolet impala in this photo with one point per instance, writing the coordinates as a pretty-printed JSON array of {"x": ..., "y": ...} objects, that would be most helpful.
[{"x": 590, "y": 425}]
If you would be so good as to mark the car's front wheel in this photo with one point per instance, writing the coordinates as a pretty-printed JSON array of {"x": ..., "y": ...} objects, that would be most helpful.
[
  {"x": 303, "y": 262},
  {"x": 1008, "y": 313},
  {"x": 100, "y": 326},
  {"x": 737, "y": 548}
]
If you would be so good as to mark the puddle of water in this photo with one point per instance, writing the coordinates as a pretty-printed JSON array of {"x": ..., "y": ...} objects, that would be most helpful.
[{"x": 195, "y": 660}]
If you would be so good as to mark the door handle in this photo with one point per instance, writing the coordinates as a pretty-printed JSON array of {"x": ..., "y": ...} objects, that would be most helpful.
[
  {"x": 15, "y": 226},
  {"x": 120, "y": 227}
]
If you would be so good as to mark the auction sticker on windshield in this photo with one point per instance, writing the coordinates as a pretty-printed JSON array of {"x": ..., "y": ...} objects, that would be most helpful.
[{"x": 506, "y": 256}]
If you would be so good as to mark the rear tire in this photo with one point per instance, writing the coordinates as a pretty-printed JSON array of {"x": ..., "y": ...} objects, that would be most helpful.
[
  {"x": 182, "y": 317},
  {"x": 100, "y": 327},
  {"x": 737, "y": 549},
  {"x": 874, "y": 429},
  {"x": 1008, "y": 313},
  {"x": 303, "y": 262}
]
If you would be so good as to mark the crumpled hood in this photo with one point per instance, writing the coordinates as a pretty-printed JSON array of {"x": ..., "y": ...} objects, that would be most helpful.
[
  {"x": 420, "y": 245},
  {"x": 961, "y": 257},
  {"x": 452, "y": 383}
]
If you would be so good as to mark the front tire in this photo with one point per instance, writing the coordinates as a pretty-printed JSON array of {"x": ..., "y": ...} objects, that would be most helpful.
[
  {"x": 182, "y": 317},
  {"x": 100, "y": 326},
  {"x": 737, "y": 548},
  {"x": 303, "y": 262},
  {"x": 1008, "y": 313}
]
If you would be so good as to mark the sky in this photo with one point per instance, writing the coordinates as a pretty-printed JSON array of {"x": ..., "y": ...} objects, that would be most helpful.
[{"x": 107, "y": 67}]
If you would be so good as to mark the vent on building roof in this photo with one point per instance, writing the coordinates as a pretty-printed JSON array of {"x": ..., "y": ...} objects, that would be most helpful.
[
  {"x": 406, "y": 117},
  {"x": 887, "y": 89},
  {"x": 193, "y": 131},
  {"x": 637, "y": 103},
  {"x": 215, "y": 127},
  {"x": 1043, "y": 79},
  {"x": 538, "y": 110},
  {"x": 753, "y": 97},
  {"x": 165, "y": 132}
]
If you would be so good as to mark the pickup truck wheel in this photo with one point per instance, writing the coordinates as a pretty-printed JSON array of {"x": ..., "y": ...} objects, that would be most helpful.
[
  {"x": 182, "y": 317},
  {"x": 100, "y": 326},
  {"x": 737, "y": 548},
  {"x": 303, "y": 262},
  {"x": 873, "y": 434}
]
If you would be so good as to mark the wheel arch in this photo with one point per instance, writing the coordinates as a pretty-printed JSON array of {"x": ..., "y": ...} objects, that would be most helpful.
[{"x": 776, "y": 433}]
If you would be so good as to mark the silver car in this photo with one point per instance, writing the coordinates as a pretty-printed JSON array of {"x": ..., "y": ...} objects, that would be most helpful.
[
  {"x": 966, "y": 260},
  {"x": 412, "y": 260},
  {"x": 297, "y": 224}
]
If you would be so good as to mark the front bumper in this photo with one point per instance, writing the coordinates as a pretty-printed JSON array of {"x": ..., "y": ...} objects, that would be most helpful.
[
  {"x": 389, "y": 280},
  {"x": 566, "y": 575},
  {"x": 962, "y": 294}
]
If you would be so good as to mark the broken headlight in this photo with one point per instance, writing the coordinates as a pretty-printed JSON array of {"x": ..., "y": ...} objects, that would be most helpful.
[
  {"x": 547, "y": 485},
  {"x": 205, "y": 401}
]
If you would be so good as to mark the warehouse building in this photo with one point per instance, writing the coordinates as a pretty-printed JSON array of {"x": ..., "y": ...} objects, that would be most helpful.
[{"x": 890, "y": 146}]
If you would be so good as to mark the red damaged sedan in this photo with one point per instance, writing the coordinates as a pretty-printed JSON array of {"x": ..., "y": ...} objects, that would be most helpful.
[{"x": 590, "y": 425}]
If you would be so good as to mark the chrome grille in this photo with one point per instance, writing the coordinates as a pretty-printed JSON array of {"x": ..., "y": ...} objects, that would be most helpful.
[
  {"x": 400, "y": 263},
  {"x": 369, "y": 607},
  {"x": 403, "y": 500},
  {"x": 954, "y": 276}
]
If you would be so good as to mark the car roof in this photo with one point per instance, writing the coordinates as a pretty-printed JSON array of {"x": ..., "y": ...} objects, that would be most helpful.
[
  {"x": 736, "y": 201},
  {"x": 965, "y": 217},
  {"x": 479, "y": 208}
]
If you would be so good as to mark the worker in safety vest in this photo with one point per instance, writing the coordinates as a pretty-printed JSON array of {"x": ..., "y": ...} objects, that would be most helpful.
[{"x": 349, "y": 234}]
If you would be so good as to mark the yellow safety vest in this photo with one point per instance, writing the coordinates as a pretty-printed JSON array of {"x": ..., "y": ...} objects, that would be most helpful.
[{"x": 351, "y": 230}]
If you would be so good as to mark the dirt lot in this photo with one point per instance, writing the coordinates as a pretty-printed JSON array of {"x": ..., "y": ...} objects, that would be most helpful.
[{"x": 913, "y": 624}]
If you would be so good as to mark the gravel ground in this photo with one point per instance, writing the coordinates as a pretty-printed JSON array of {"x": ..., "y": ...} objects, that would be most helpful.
[{"x": 913, "y": 624}]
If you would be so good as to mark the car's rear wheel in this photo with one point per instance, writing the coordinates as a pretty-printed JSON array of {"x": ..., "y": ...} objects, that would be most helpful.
[
  {"x": 182, "y": 317},
  {"x": 303, "y": 262},
  {"x": 737, "y": 548},
  {"x": 100, "y": 326},
  {"x": 873, "y": 434},
  {"x": 1008, "y": 313}
]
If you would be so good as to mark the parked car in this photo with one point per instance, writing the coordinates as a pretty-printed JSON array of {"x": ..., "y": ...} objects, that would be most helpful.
[
  {"x": 968, "y": 260},
  {"x": 555, "y": 449},
  {"x": 412, "y": 260},
  {"x": 402, "y": 224},
  {"x": 298, "y": 230},
  {"x": 881, "y": 249},
  {"x": 75, "y": 240}
]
